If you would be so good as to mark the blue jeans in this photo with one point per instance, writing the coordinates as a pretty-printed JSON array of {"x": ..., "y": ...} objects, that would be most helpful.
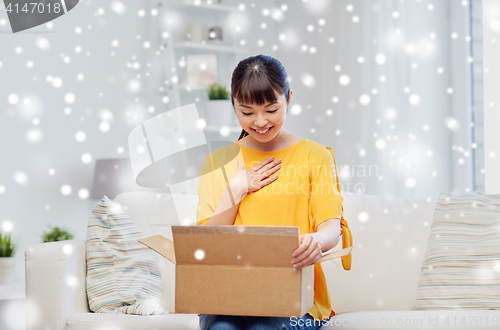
[{"x": 232, "y": 322}]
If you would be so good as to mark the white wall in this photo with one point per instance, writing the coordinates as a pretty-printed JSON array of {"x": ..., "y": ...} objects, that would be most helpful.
[
  {"x": 111, "y": 75},
  {"x": 491, "y": 28},
  {"x": 415, "y": 162},
  {"x": 38, "y": 202},
  {"x": 109, "y": 82}
]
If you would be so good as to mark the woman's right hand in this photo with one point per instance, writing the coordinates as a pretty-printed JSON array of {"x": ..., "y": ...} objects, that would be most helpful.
[{"x": 253, "y": 179}]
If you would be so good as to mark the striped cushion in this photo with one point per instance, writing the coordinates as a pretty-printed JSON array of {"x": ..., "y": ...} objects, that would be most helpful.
[
  {"x": 461, "y": 267},
  {"x": 123, "y": 275}
]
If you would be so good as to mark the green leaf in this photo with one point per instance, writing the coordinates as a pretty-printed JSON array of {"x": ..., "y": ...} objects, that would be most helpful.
[
  {"x": 7, "y": 247},
  {"x": 56, "y": 234},
  {"x": 218, "y": 92}
]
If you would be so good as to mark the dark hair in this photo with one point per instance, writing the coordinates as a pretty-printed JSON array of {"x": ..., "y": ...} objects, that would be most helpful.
[{"x": 257, "y": 80}]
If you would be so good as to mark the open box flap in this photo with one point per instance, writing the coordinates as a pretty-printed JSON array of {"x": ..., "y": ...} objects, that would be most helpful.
[
  {"x": 160, "y": 244},
  {"x": 255, "y": 246},
  {"x": 335, "y": 254},
  {"x": 222, "y": 251}
]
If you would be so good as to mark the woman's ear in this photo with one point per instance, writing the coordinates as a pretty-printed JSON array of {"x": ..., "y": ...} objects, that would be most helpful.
[{"x": 289, "y": 98}]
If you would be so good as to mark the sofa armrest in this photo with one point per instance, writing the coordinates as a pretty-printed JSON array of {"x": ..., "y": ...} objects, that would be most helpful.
[{"x": 55, "y": 283}]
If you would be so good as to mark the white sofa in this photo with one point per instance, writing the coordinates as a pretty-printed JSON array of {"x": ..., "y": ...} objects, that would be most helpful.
[{"x": 390, "y": 239}]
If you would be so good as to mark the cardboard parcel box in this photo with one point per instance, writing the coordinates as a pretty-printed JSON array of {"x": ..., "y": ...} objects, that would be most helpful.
[{"x": 238, "y": 270}]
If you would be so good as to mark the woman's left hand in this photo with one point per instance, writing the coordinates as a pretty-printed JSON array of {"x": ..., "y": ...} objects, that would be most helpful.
[{"x": 308, "y": 252}]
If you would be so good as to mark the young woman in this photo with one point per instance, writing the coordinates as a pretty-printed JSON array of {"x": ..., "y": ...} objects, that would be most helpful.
[{"x": 279, "y": 179}]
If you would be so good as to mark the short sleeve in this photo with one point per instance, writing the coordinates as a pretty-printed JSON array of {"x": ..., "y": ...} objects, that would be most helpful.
[
  {"x": 325, "y": 198},
  {"x": 206, "y": 202}
]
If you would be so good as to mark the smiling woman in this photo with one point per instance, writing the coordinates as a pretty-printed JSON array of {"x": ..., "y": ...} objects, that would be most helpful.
[
  {"x": 260, "y": 94},
  {"x": 277, "y": 179}
]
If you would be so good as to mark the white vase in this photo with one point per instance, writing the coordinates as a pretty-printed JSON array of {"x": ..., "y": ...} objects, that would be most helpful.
[
  {"x": 220, "y": 112},
  {"x": 7, "y": 270},
  {"x": 196, "y": 32}
]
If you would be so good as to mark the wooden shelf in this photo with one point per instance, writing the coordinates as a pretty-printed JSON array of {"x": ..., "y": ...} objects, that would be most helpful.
[
  {"x": 209, "y": 46},
  {"x": 225, "y": 50},
  {"x": 190, "y": 87},
  {"x": 232, "y": 129}
]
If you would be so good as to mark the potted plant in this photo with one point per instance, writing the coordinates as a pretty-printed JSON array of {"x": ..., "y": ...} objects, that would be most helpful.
[
  {"x": 219, "y": 108},
  {"x": 7, "y": 250},
  {"x": 56, "y": 234}
]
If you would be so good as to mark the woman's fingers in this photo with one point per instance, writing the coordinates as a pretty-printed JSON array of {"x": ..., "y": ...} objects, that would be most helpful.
[
  {"x": 269, "y": 180},
  {"x": 309, "y": 260},
  {"x": 262, "y": 174},
  {"x": 269, "y": 169},
  {"x": 307, "y": 251},
  {"x": 263, "y": 163},
  {"x": 303, "y": 245}
]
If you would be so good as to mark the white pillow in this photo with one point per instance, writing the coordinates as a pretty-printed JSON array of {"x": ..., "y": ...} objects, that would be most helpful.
[
  {"x": 123, "y": 275},
  {"x": 461, "y": 268}
]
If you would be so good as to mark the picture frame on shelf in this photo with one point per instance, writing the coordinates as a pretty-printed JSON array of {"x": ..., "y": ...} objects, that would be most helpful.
[{"x": 201, "y": 69}]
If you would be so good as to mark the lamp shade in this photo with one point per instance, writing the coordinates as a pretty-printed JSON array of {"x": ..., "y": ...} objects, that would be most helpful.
[{"x": 113, "y": 176}]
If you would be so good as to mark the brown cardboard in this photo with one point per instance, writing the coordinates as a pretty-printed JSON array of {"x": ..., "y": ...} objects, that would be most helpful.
[{"x": 238, "y": 270}]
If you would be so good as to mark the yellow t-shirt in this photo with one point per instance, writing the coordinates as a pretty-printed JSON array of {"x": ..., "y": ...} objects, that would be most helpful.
[{"x": 304, "y": 195}]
